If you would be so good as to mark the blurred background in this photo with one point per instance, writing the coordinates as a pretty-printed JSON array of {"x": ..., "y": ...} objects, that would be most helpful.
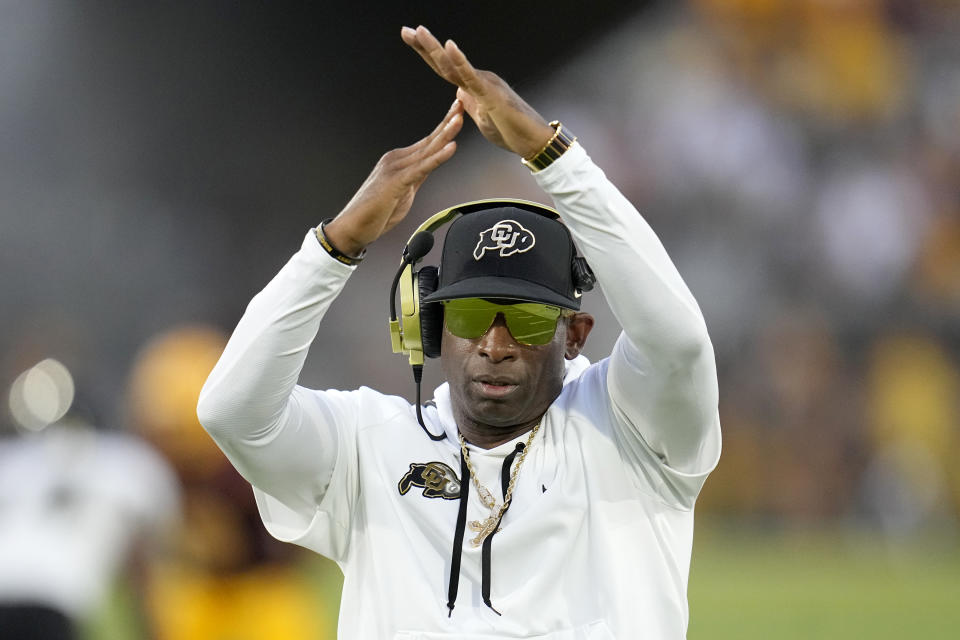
[{"x": 800, "y": 160}]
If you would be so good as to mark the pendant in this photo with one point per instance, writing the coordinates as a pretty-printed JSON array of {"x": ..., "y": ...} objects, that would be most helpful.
[
  {"x": 483, "y": 529},
  {"x": 486, "y": 497}
]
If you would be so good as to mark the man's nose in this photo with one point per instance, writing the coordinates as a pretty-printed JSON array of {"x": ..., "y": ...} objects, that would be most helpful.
[{"x": 498, "y": 343}]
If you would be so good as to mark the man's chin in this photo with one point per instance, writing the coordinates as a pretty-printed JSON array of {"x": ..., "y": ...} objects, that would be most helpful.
[{"x": 496, "y": 413}]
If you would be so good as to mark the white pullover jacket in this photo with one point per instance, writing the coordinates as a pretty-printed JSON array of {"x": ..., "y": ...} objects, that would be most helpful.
[{"x": 596, "y": 543}]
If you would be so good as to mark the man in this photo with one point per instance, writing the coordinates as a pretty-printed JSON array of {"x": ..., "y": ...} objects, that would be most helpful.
[{"x": 599, "y": 465}]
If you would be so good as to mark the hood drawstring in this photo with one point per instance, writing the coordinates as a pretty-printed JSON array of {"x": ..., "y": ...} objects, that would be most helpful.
[
  {"x": 487, "y": 542},
  {"x": 458, "y": 536}
]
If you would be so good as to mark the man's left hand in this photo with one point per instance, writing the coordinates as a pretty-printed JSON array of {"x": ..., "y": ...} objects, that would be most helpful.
[{"x": 502, "y": 116}]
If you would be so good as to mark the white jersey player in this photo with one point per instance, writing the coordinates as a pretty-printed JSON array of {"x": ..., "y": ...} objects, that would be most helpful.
[
  {"x": 537, "y": 495},
  {"x": 77, "y": 507}
]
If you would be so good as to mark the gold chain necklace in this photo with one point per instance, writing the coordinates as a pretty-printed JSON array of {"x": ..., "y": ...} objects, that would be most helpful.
[{"x": 489, "y": 524}]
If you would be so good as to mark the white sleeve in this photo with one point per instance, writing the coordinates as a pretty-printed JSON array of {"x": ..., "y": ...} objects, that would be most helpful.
[
  {"x": 284, "y": 439},
  {"x": 662, "y": 378}
]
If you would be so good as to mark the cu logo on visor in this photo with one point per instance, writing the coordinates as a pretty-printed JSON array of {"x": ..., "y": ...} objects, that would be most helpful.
[{"x": 507, "y": 236}]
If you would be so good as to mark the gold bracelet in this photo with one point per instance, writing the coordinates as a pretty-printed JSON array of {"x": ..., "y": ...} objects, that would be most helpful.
[
  {"x": 335, "y": 253},
  {"x": 556, "y": 146}
]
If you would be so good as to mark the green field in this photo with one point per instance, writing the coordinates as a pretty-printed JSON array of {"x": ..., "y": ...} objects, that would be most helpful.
[
  {"x": 807, "y": 585},
  {"x": 847, "y": 585}
]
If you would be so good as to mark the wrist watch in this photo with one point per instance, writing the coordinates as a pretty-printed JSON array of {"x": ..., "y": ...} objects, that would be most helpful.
[{"x": 556, "y": 146}]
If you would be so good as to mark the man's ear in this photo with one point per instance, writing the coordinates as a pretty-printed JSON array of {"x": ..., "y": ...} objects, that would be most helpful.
[{"x": 578, "y": 328}]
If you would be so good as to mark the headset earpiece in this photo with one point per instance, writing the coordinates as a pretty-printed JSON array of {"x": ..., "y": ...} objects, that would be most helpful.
[
  {"x": 583, "y": 278},
  {"x": 431, "y": 313}
]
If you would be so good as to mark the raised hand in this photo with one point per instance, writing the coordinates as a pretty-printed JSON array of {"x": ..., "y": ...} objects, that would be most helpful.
[
  {"x": 501, "y": 115},
  {"x": 385, "y": 197}
]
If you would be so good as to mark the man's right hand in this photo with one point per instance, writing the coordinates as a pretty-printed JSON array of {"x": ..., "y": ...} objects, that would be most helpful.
[{"x": 385, "y": 197}]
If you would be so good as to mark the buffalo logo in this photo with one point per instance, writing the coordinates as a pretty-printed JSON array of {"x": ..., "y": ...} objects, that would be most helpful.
[
  {"x": 437, "y": 479},
  {"x": 507, "y": 236}
]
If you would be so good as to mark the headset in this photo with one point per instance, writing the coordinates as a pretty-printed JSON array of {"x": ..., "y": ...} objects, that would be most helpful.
[{"x": 418, "y": 330}]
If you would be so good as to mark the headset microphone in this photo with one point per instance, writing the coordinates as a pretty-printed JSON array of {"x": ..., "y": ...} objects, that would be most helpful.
[{"x": 418, "y": 246}]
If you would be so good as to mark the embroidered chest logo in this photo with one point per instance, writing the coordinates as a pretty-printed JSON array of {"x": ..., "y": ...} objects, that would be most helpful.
[
  {"x": 437, "y": 479},
  {"x": 507, "y": 236}
]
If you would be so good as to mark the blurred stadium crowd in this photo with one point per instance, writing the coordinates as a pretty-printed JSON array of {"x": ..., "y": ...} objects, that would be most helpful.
[{"x": 801, "y": 161}]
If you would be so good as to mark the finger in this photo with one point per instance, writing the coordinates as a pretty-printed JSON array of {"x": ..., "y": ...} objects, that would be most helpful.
[
  {"x": 423, "y": 42},
  {"x": 408, "y": 35},
  {"x": 404, "y": 158},
  {"x": 415, "y": 174},
  {"x": 423, "y": 155},
  {"x": 469, "y": 103},
  {"x": 430, "y": 146},
  {"x": 466, "y": 99},
  {"x": 446, "y": 130},
  {"x": 455, "y": 109},
  {"x": 470, "y": 79},
  {"x": 436, "y": 56},
  {"x": 431, "y": 162},
  {"x": 443, "y": 136}
]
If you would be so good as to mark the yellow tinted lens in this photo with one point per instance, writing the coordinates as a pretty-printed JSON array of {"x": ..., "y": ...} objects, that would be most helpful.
[
  {"x": 469, "y": 318},
  {"x": 529, "y": 323}
]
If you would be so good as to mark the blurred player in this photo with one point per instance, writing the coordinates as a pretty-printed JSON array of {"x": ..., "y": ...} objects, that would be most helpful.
[
  {"x": 225, "y": 578},
  {"x": 79, "y": 506}
]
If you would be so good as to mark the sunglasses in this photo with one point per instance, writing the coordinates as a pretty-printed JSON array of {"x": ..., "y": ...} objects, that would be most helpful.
[{"x": 530, "y": 323}]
